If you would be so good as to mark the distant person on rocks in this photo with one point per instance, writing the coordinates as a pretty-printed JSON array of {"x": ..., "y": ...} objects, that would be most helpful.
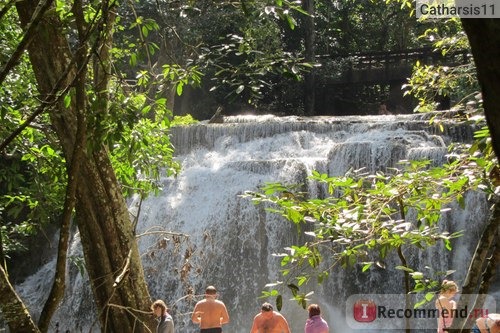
[
  {"x": 315, "y": 323},
  {"x": 445, "y": 305},
  {"x": 382, "y": 109},
  {"x": 210, "y": 313},
  {"x": 269, "y": 321},
  {"x": 487, "y": 324},
  {"x": 165, "y": 321},
  {"x": 217, "y": 118}
]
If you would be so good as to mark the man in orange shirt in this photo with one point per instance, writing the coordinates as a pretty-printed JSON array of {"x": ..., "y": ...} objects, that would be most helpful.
[{"x": 210, "y": 313}]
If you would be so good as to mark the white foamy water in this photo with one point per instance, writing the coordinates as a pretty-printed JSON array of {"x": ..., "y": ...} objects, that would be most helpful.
[{"x": 230, "y": 242}]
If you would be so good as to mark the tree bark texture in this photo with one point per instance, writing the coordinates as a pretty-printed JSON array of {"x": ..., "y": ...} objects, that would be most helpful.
[
  {"x": 309, "y": 42},
  {"x": 475, "y": 280},
  {"x": 106, "y": 231},
  {"x": 13, "y": 310},
  {"x": 56, "y": 294},
  {"x": 484, "y": 39}
]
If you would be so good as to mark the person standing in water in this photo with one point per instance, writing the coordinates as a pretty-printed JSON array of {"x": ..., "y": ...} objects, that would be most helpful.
[
  {"x": 165, "y": 321},
  {"x": 446, "y": 305},
  {"x": 210, "y": 313},
  {"x": 269, "y": 321},
  {"x": 315, "y": 323},
  {"x": 382, "y": 109}
]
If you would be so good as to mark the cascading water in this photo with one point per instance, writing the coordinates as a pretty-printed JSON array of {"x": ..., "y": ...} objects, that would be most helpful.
[{"x": 220, "y": 238}]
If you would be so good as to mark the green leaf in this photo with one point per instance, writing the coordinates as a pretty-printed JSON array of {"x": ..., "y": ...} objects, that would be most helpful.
[
  {"x": 279, "y": 302},
  {"x": 67, "y": 100},
  {"x": 367, "y": 266},
  {"x": 447, "y": 244},
  {"x": 420, "y": 303},
  {"x": 179, "y": 88},
  {"x": 133, "y": 59},
  {"x": 293, "y": 288},
  {"x": 304, "y": 303},
  {"x": 291, "y": 22},
  {"x": 404, "y": 268},
  {"x": 429, "y": 296}
]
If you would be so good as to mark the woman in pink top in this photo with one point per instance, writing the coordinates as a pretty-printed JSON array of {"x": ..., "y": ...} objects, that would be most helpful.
[{"x": 315, "y": 324}]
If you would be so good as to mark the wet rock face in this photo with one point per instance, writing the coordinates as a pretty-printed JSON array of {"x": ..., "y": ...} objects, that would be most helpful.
[
  {"x": 42, "y": 247},
  {"x": 217, "y": 118}
]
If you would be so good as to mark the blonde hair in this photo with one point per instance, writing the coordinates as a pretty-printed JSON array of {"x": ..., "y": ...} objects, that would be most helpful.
[{"x": 448, "y": 285}]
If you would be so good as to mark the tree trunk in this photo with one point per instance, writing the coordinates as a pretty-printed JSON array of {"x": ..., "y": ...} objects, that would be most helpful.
[
  {"x": 484, "y": 39},
  {"x": 13, "y": 310},
  {"x": 110, "y": 249},
  {"x": 475, "y": 280},
  {"x": 309, "y": 40},
  {"x": 56, "y": 294}
]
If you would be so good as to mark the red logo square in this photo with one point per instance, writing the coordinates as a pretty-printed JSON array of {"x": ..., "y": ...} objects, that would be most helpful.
[{"x": 365, "y": 311}]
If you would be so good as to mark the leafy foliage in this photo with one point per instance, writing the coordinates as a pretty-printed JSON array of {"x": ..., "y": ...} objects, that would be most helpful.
[
  {"x": 248, "y": 60},
  {"x": 427, "y": 283},
  {"x": 32, "y": 175},
  {"x": 134, "y": 124},
  {"x": 365, "y": 217},
  {"x": 429, "y": 83},
  {"x": 183, "y": 120},
  {"x": 246, "y": 72}
]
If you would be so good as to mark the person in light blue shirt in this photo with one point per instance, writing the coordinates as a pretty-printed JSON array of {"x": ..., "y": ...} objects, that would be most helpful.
[
  {"x": 165, "y": 321},
  {"x": 315, "y": 323}
]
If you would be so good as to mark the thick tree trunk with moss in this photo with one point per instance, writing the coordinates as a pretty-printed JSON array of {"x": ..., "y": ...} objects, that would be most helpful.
[{"x": 110, "y": 249}]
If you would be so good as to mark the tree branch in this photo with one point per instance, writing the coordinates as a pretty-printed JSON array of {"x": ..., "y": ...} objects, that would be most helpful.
[
  {"x": 27, "y": 38},
  {"x": 57, "y": 292},
  {"x": 55, "y": 95},
  {"x": 13, "y": 310}
]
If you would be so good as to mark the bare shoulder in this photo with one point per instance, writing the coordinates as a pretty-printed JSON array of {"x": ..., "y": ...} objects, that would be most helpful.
[
  {"x": 200, "y": 303},
  {"x": 441, "y": 300},
  {"x": 445, "y": 303},
  {"x": 281, "y": 317}
]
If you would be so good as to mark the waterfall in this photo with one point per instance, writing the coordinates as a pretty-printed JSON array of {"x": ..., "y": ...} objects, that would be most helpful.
[{"x": 220, "y": 238}]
